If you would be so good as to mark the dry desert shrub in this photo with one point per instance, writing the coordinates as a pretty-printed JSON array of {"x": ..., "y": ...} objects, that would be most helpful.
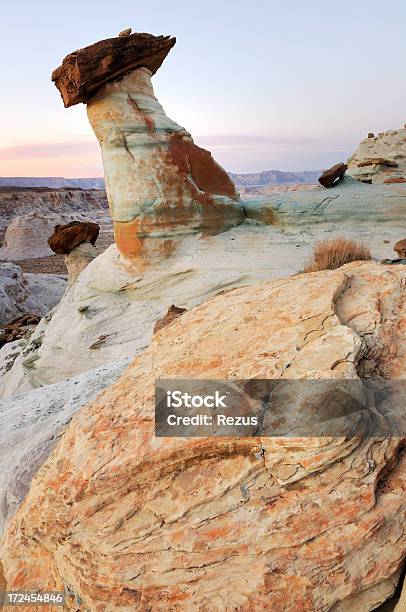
[{"x": 334, "y": 253}]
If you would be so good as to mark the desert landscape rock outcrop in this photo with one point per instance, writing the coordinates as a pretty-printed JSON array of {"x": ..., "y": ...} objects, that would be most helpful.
[
  {"x": 31, "y": 425},
  {"x": 113, "y": 307},
  {"x": 159, "y": 184},
  {"x": 124, "y": 520},
  {"x": 78, "y": 259},
  {"x": 27, "y": 293},
  {"x": 380, "y": 159},
  {"x": 26, "y": 238},
  {"x": 200, "y": 284}
]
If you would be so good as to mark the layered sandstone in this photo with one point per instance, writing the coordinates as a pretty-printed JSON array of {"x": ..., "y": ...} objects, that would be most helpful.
[
  {"x": 85, "y": 70},
  {"x": 18, "y": 201},
  {"x": 31, "y": 425},
  {"x": 113, "y": 308},
  {"x": 380, "y": 159},
  {"x": 124, "y": 520},
  {"x": 159, "y": 184}
]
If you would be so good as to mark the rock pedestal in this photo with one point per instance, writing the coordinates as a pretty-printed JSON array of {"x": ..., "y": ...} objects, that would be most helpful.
[
  {"x": 78, "y": 259},
  {"x": 159, "y": 184}
]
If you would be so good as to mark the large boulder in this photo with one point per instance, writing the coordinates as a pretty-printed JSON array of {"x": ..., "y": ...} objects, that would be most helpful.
[
  {"x": 381, "y": 158},
  {"x": 26, "y": 238},
  {"x": 125, "y": 520},
  {"x": 331, "y": 176}
]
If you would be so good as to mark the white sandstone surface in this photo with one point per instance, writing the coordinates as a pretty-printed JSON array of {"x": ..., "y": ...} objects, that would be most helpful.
[
  {"x": 27, "y": 293},
  {"x": 31, "y": 424},
  {"x": 78, "y": 259},
  {"x": 26, "y": 238},
  {"x": 386, "y": 146}
]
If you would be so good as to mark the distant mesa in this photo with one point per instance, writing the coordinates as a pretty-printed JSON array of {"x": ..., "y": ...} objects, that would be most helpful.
[
  {"x": 51, "y": 182},
  {"x": 331, "y": 176},
  {"x": 85, "y": 70},
  {"x": 67, "y": 237},
  {"x": 256, "y": 179}
]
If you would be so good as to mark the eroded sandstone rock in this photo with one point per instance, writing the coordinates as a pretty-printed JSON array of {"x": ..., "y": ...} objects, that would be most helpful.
[
  {"x": 173, "y": 313},
  {"x": 31, "y": 425},
  {"x": 85, "y": 70},
  {"x": 67, "y": 237},
  {"x": 27, "y": 293},
  {"x": 26, "y": 238},
  {"x": 332, "y": 175},
  {"x": 130, "y": 521},
  {"x": 78, "y": 259},
  {"x": 244, "y": 255},
  {"x": 160, "y": 185},
  {"x": 381, "y": 159}
]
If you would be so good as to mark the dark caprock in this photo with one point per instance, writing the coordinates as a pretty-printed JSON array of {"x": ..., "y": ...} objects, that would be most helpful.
[{"x": 331, "y": 176}]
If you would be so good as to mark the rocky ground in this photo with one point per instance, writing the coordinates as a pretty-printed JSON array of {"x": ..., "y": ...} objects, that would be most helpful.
[
  {"x": 326, "y": 518},
  {"x": 57, "y": 205},
  {"x": 201, "y": 284}
]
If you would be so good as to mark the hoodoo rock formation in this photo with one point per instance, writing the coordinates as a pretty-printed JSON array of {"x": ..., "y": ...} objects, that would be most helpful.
[
  {"x": 381, "y": 158},
  {"x": 127, "y": 521},
  {"x": 159, "y": 184}
]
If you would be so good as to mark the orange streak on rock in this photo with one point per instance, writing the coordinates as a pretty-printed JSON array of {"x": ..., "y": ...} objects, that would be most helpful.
[
  {"x": 126, "y": 237},
  {"x": 149, "y": 122},
  {"x": 199, "y": 163}
]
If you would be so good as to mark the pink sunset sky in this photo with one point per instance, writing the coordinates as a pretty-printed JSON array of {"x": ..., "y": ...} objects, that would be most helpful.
[{"x": 269, "y": 85}]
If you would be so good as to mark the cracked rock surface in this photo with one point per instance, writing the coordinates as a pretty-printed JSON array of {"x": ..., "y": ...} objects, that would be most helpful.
[
  {"x": 381, "y": 158},
  {"x": 133, "y": 522},
  {"x": 32, "y": 423}
]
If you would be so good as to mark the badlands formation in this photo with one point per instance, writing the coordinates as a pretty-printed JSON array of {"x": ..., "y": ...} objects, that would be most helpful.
[{"x": 90, "y": 501}]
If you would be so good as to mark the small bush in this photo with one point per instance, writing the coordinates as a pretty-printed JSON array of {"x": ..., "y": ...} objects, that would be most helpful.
[{"x": 334, "y": 253}]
